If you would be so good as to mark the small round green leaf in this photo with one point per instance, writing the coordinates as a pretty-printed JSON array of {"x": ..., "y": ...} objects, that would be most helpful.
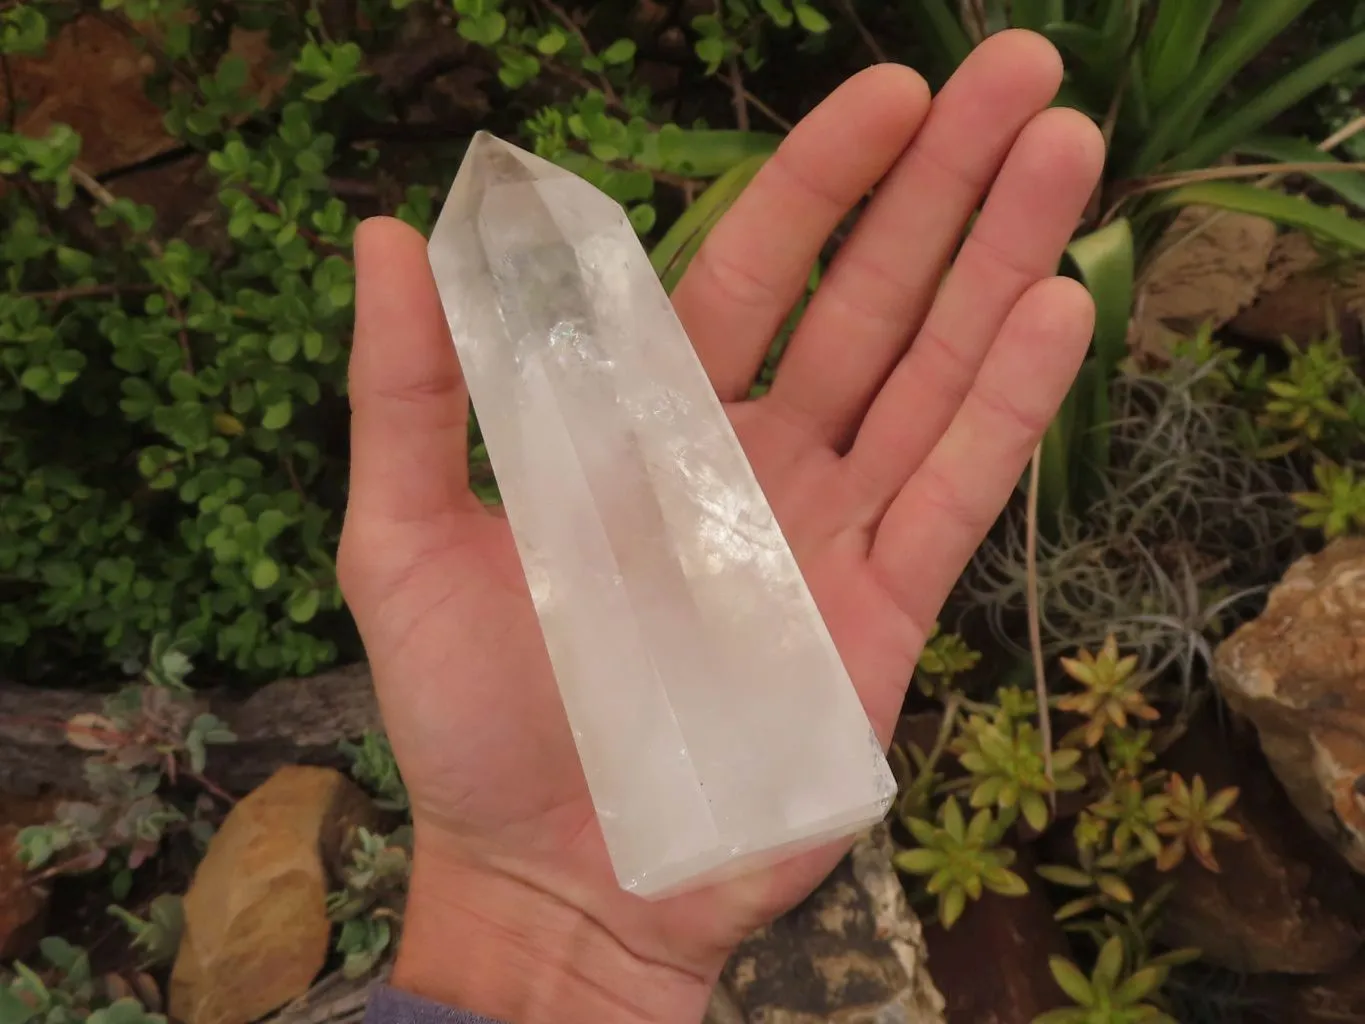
[
  {"x": 303, "y": 605},
  {"x": 619, "y": 52},
  {"x": 811, "y": 20},
  {"x": 278, "y": 415},
  {"x": 642, "y": 218},
  {"x": 265, "y": 574}
]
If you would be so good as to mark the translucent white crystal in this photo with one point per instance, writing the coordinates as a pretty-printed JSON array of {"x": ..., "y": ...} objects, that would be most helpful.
[{"x": 715, "y": 722}]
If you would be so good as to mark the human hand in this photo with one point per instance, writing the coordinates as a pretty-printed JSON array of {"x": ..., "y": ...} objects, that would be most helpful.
[{"x": 898, "y": 424}]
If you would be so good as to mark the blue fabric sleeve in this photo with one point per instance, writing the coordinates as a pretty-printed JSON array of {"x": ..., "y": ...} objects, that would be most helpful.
[{"x": 390, "y": 1006}]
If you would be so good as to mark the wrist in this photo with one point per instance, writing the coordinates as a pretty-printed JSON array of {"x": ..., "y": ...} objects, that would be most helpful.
[{"x": 493, "y": 944}]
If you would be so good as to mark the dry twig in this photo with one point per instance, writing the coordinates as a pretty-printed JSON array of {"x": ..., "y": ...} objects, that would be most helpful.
[
  {"x": 86, "y": 291},
  {"x": 738, "y": 98},
  {"x": 768, "y": 112},
  {"x": 869, "y": 40},
  {"x": 104, "y": 197},
  {"x": 1035, "y": 632},
  {"x": 608, "y": 90},
  {"x": 1328, "y": 144}
]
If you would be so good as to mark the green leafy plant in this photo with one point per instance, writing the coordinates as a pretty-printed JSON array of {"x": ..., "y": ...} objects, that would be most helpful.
[
  {"x": 1112, "y": 690},
  {"x": 961, "y": 859},
  {"x": 373, "y": 766},
  {"x": 1155, "y": 75},
  {"x": 156, "y": 937},
  {"x": 945, "y": 656},
  {"x": 148, "y": 737},
  {"x": 369, "y": 906},
  {"x": 1107, "y": 996},
  {"x": 1133, "y": 813},
  {"x": 1338, "y": 504},
  {"x": 1317, "y": 402},
  {"x": 190, "y": 505},
  {"x": 1101, "y": 879},
  {"x": 1129, "y": 815},
  {"x": 1008, "y": 770},
  {"x": 1193, "y": 815},
  {"x": 185, "y": 474},
  {"x": 65, "y": 991}
]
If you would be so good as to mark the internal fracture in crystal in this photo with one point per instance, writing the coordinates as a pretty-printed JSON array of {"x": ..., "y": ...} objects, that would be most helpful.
[{"x": 716, "y": 724}]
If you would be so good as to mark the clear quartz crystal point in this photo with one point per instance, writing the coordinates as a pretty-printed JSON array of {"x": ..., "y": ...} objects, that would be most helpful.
[{"x": 716, "y": 724}]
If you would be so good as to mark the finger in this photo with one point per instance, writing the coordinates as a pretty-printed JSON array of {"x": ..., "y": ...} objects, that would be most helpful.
[
  {"x": 750, "y": 270},
  {"x": 945, "y": 509},
  {"x": 883, "y": 280},
  {"x": 1017, "y": 241},
  {"x": 409, "y": 406}
]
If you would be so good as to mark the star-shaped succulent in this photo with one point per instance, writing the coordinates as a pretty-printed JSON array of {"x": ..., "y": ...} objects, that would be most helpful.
[
  {"x": 961, "y": 859},
  {"x": 1192, "y": 817},
  {"x": 1005, "y": 757},
  {"x": 1113, "y": 690}
]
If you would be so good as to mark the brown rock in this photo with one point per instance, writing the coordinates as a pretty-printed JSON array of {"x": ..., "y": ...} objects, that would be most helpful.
[
  {"x": 1210, "y": 276},
  {"x": 1283, "y": 901},
  {"x": 1303, "y": 297},
  {"x": 91, "y": 78},
  {"x": 852, "y": 953},
  {"x": 1330, "y": 1000},
  {"x": 1015, "y": 936},
  {"x": 23, "y": 902},
  {"x": 256, "y": 928},
  {"x": 1298, "y": 673}
]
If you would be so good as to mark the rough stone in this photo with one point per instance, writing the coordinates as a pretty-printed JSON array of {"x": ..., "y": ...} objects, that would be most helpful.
[
  {"x": 23, "y": 902},
  {"x": 1333, "y": 999},
  {"x": 1283, "y": 901},
  {"x": 1297, "y": 672},
  {"x": 1211, "y": 276},
  {"x": 91, "y": 78},
  {"x": 852, "y": 953},
  {"x": 256, "y": 927},
  {"x": 1303, "y": 297}
]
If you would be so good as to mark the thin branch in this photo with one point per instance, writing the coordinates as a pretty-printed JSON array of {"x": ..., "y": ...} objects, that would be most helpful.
[
  {"x": 316, "y": 8},
  {"x": 1164, "y": 182},
  {"x": 11, "y": 98},
  {"x": 607, "y": 89},
  {"x": 210, "y": 786},
  {"x": 1349, "y": 131},
  {"x": 678, "y": 181},
  {"x": 952, "y": 705},
  {"x": 104, "y": 197},
  {"x": 768, "y": 112},
  {"x": 294, "y": 478},
  {"x": 86, "y": 291},
  {"x": 737, "y": 94},
  {"x": 268, "y": 204},
  {"x": 1328, "y": 144},
  {"x": 869, "y": 40},
  {"x": 1035, "y": 631}
]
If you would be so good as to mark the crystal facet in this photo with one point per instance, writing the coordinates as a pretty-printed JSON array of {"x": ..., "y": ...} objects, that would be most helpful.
[{"x": 715, "y": 722}]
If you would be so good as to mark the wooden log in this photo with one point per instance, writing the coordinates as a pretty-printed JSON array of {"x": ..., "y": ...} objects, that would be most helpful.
[{"x": 291, "y": 721}]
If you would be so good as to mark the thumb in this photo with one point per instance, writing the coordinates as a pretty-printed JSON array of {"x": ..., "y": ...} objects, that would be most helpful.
[{"x": 409, "y": 405}]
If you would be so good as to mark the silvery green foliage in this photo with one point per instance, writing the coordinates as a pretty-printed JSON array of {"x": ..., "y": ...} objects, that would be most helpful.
[{"x": 149, "y": 734}]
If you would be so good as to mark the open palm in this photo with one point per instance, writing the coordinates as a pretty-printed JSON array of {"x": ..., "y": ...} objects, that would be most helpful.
[{"x": 899, "y": 422}]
